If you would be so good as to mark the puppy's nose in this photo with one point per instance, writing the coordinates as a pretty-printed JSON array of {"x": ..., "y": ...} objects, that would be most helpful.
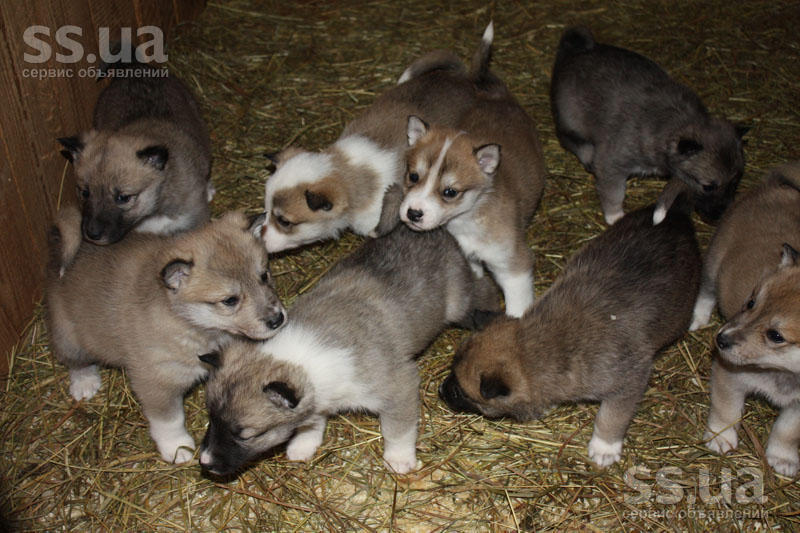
[
  {"x": 449, "y": 389},
  {"x": 275, "y": 321},
  {"x": 414, "y": 215},
  {"x": 723, "y": 341}
]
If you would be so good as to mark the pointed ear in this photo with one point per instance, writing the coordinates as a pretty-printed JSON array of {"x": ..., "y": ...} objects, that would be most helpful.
[
  {"x": 176, "y": 273},
  {"x": 256, "y": 224},
  {"x": 488, "y": 157},
  {"x": 788, "y": 256},
  {"x": 281, "y": 394},
  {"x": 212, "y": 359},
  {"x": 688, "y": 147},
  {"x": 741, "y": 130},
  {"x": 492, "y": 387},
  {"x": 73, "y": 146},
  {"x": 417, "y": 128},
  {"x": 317, "y": 201},
  {"x": 155, "y": 156}
]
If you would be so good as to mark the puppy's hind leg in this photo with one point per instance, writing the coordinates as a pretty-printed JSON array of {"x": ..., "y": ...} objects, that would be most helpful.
[
  {"x": 727, "y": 403},
  {"x": 611, "y": 185},
  {"x": 163, "y": 407},
  {"x": 84, "y": 378},
  {"x": 610, "y": 425},
  {"x": 399, "y": 428}
]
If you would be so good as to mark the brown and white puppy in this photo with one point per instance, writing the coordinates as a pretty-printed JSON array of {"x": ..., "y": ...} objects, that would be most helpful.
[
  {"x": 344, "y": 349},
  {"x": 145, "y": 164},
  {"x": 317, "y": 195},
  {"x": 154, "y": 305},
  {"x": 622, "y": 115},
  {"x": 758, "y": 289},
  {"x": 482, "y": 181},
  {"x": 592, "y": 336}
]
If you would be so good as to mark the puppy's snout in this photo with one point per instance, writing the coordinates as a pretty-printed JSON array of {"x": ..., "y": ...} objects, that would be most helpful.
[
  {"x": 414, "y": 215},
  {"x": 723, "y": 341},
  {"x": 275, "y": 321},
  {"x": 449, "y": 389}
]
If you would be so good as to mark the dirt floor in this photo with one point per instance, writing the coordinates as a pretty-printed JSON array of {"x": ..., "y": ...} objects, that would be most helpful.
[{"x": 270, "y": 74}]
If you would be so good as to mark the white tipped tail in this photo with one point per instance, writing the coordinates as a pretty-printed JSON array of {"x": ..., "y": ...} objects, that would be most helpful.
[{"x": 488, "y": 34}]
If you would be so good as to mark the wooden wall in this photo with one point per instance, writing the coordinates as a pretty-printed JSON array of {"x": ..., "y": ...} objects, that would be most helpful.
[{"x": 34, "y": 112}]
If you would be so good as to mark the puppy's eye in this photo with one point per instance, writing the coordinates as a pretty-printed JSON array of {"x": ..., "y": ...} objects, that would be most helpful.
[
  {"x": 413, "y": 177},
  {"x": 775, "y": 337},
  {"x": 709, "y": 187},
  {"x": 450, "y": 193},
  {"x": 230, "y": 301},
  {"x": 83, "y": 192},
  {"x": 750, "y": 303},
  {"x": 122, "y": 199},
  {"x": 265, "y": 276},
  {"x": 283, "y": 221}
]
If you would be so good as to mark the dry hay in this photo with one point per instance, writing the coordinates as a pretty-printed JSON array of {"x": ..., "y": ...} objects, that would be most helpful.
[{"x": 272, "y": 73}]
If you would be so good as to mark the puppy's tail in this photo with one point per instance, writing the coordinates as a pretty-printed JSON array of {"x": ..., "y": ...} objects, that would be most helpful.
[
  {"x": 574, "y": 41},
  {"x": 64, "y": 240},
  {"x": 675, "y": 196},
  {"x": 787, "y": 174},
  {"x": 436, "y": 60}
]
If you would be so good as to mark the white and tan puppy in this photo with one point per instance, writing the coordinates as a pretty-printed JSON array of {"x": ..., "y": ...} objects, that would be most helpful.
[
  {"x": 483, "y": 182},
  {"x": 317, "y": 195},
  {"x": 153, "y": 306},
  {"x": 751, "y": 269}
]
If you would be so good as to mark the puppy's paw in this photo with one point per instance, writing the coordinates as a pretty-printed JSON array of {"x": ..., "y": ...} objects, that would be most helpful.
[
  {"x": 303, "y": 446},
  {"x": 604, "y": 453},
  {"x": 178, "y": 449},
  {"x": 401, "y": 462},
  {"x": 84, "y": 382},
  {"x": 721, "y": 442},
  {"x": 783, "y": 459},
  {"x": 612, "y": 217}
]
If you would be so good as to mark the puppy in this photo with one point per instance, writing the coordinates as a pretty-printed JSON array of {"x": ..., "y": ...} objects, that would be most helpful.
[
  {"x": 622, "y": 115},
  {"x": 317, "y": 195},
  {"x": 592, "y": 336},
  {"x": 758, "y": 290},
  {"x": 152, "y": 305},
  {"x": 345, "y": 349},
  {"x": 145, "y": 164},
  {"x": 483, "y": 182}
]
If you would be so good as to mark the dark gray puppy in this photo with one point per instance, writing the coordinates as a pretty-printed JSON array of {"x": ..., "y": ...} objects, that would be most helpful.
[
  {"x": 146, "y": 162},
  {"x": 350, "y": 345},
  {"x": 622, "y": 115},
  {"x": 592, "y": 336}
]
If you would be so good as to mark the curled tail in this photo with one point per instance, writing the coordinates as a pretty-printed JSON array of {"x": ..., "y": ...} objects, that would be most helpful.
[
  {"x": 64, "y": 240},
  {"x": 436, "y": 60},
  {"x": 574, "y": 41},
  {"x": 675, "y": 196}
]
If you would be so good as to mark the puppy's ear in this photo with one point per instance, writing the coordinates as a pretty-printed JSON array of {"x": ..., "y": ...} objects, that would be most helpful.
[
  {"x": 256, "y": 224},
  {"x": 212, "y": 359},
  {"x": 741, "y": 130},
  {"x": 154, "y": 156},
  {"x": 688, "y": 147},
  {"x": 488, "y": 157},
  {"x": 317, "y": 201},
  {"x": 788, "y": 256},
  {"x": 73, "y": 146},
  {"x": 175, "y": 273},
  {"x": 417, "y": 128},
  {"x": 281, "y": 394},
  {"x": 492, "y": 387}
]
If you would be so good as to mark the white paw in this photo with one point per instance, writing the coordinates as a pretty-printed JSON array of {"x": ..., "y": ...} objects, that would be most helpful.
[
  {"x": 701, "y": 315},
  {"x": 697, "y": 323},
  {"x": 84, "y": 382},
  {"x": 401, "y": 462},
  {"x": 721, "y": 442},
  {"x": 303, "y": 446},
  {"x": 178, "y": 449},
  {"x": 611, "y": 218},
  {"x": 784, "y": 460},
  {"x": 604, "y": 453}
]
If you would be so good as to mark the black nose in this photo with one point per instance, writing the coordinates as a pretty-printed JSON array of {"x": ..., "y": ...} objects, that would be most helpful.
[
  {"x": 449, "y": 389},
  {"x": 94, "y": 233},
  {"x": 723, "y": 341},
  {"x": 276, "y": 321},
  {"x": 414, "y": 215}
]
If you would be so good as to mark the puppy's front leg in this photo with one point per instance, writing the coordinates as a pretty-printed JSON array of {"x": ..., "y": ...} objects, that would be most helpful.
[
  {"x": 514, "y": 274},
  {"x": 611, "y": 184},
  {"x": 610, "y": 425},
  {"x": 727, "y": 402},
  {"x": 163, "y": 407},
  {"x": 399, "y": 430},
  {"x": 784, "y": 440},
  {"x": 704, "y": 306},
  {"x": 307, "y": 439}
]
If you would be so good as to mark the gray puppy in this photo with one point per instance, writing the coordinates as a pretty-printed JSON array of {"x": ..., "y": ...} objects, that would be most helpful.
[
  {"x": 146, "y": 162},
  {"x": 592, "y": 336},
  {"x": 153, "y": 305},
  {"x": 622, "y": 115},
  {"x": 350, "y": 345}
]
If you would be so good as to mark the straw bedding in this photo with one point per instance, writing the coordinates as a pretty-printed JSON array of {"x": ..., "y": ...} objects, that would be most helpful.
[{"x": 273, "y": 73}]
